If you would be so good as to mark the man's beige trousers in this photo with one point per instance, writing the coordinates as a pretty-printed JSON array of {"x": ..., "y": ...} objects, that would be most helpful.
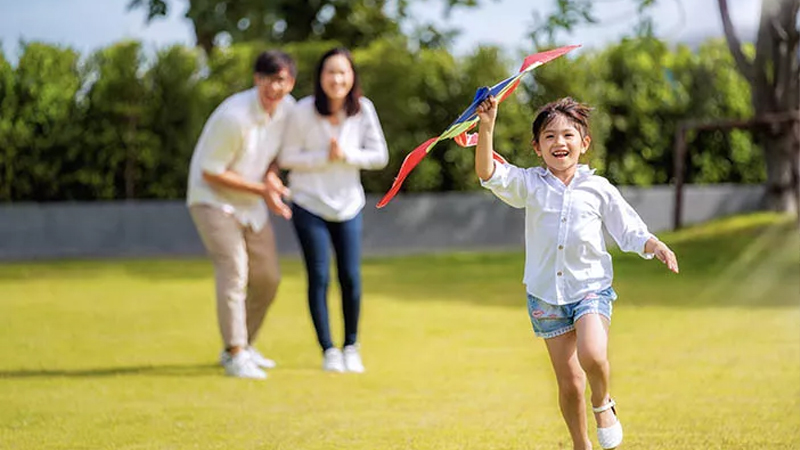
[{"x": 246, "y": 271}]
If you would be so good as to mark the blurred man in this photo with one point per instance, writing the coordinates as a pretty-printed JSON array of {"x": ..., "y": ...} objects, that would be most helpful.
[{"x": 232, "y": 181}]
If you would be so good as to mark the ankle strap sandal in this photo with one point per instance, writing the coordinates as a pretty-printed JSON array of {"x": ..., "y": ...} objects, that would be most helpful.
[{"x": 609, "y": 437}]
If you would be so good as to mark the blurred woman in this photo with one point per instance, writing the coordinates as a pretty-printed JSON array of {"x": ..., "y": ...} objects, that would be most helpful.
[{"x": 331, "y": 137}]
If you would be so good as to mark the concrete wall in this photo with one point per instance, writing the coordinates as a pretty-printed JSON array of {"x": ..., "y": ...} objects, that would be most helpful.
[{"x": 409, "y": 224}]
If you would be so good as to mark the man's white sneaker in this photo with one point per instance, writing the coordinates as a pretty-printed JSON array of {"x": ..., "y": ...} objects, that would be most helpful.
[
  {"x": 352, "y": 359},
  {"x": 259, "y": 359},
  {"x": 241, "y": 366},
  {"x": 332, "y": 360}
]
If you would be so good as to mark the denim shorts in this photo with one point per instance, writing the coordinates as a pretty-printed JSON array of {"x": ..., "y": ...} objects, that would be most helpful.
[{"x": 550, "y": 321}]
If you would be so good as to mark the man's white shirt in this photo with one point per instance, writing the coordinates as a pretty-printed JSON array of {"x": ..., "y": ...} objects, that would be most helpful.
[
  {"x": 241, "y": 137},
  {"x": 565, "y": 250}
]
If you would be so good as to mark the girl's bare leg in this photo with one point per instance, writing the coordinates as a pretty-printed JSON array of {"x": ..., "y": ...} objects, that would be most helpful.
[
  {"x": 571, "y": 386},
  {"x": 592, "y": 345}
]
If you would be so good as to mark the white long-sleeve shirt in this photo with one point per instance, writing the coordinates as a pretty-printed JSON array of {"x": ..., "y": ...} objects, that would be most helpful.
[
  {"x": 565, "y": 251},
  {"x": 331, "y": 190},
  {"x": 241, "y": 137}
]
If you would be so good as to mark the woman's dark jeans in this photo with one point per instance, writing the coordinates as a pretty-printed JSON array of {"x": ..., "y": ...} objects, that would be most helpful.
[{"x": 316, "y": 235}]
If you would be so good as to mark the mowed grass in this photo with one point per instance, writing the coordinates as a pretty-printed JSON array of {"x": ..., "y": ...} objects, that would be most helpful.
[{"x": 122, "y": 355}]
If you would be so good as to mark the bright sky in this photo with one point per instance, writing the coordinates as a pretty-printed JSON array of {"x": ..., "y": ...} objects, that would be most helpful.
[{"x": 87, "y": 25}]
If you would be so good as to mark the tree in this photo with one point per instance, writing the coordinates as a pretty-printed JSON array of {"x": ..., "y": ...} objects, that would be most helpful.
[
  {"x": 43, "y": 136},
  {"x": 8, "y": 107},
  {"x": 774, "y": 78},
  {"x": 418, "y": 94},
  {"x": 119, "y": 145},
  {"x": 772, "y": 72},
  {"x": 639, "y": 88},
  {"x": 354, "y": 23},
  {"x": 176, "y": 111}
]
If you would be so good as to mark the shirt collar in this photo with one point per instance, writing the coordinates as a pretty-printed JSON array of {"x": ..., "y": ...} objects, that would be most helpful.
[
  {"x": 582, "y": 171},
  {"x": 259, "y": 111}
]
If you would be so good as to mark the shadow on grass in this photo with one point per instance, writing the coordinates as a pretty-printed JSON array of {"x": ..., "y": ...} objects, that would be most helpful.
[
  {"x": 164, "y": 269},
  {"x": 171, "y": 370},
  {"x": 151, "y": 269}
]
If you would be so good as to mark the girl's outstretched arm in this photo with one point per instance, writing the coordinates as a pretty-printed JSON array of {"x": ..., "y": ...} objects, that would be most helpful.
[
  {"x": 484, "y": 164},
  {"x": 662, "y": 252}
]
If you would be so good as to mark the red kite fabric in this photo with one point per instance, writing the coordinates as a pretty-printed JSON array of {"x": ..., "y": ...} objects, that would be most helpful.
[{"x": 469, "y": 118}]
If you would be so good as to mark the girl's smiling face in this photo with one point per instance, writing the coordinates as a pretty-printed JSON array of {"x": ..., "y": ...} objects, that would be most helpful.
[{"x": 561, "y": 145}]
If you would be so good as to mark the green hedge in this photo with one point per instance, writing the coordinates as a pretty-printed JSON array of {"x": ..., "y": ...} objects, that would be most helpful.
[{"x": 117, "y": 124}]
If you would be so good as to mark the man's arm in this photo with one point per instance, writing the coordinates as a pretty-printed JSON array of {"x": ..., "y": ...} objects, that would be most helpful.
[
  {"x": 232, "y": 180},
  {"x": 224, "y": 138},
  {"x": 276, "y": 191}
]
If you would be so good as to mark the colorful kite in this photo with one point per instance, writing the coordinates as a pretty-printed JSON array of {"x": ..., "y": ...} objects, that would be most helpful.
[{"x": 458, "y": 129}]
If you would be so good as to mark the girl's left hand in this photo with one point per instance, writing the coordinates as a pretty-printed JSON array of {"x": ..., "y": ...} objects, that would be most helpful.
[{"x": 665, "y": 255}]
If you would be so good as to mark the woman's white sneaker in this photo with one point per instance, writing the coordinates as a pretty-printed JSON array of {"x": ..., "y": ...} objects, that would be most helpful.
[
  {"x": 332, "y": 360},
  {"x": 352, "y": 359}
]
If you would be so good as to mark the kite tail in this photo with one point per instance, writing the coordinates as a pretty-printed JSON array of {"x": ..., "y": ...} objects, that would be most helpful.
[
  {"x": 411, "y": 161},
  {"x": 471, "y": 139},
  {"x": 466, "y": 139}
]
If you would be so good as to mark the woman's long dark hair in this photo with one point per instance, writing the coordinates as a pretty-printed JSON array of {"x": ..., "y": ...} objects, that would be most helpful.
[{"x": 352, "y": 105}]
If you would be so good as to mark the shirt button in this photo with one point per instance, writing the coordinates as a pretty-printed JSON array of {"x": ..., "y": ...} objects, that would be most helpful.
[
  {"x": 563, "y": 219},
  {"x": 559, "y": 274},
  {"x": 561, "y": 247}
]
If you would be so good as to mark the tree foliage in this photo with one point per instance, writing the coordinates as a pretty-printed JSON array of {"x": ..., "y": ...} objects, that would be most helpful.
[
  {"x": 39, "y": 135},
  {"x": 121, "y": 126},
  {"x": 640, "y": 90},
  {"x": 118, "y": 125},
  {"x": 8, "y": 109},
  {"x": 772, "y": 72},
  {"x": 355, "y": 23}
]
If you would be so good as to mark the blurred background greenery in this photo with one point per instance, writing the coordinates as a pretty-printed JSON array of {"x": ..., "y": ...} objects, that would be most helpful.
[{"x": 121, "y": 124}]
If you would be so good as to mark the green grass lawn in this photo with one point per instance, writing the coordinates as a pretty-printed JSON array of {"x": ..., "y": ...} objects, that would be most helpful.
[{"x": 121, "y": 355}]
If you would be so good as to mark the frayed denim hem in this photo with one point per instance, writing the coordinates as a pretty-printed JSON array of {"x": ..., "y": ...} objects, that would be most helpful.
[
  {"x": 552, "y": 334},
  {"x": 593, "y": 311}
]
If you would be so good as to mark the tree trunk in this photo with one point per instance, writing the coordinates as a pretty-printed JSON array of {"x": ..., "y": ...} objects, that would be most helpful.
[
  {"x": 205, "y": 23},
  {"x": 205, "y": 41},
  {"x": 130, "y": 160},
  {"x": 780, "y": 153},
  {"x": 774, "y": 78}
]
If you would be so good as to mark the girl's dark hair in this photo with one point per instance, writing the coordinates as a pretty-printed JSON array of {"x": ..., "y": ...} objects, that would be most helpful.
[
  {"x": 577, "y": 113},
  {"x": 352, "y": 105},
  {"x": 273, "y": 61}
]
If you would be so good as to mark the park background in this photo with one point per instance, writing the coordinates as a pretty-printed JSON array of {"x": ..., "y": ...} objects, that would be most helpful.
[{"x": 97, "y": 125}]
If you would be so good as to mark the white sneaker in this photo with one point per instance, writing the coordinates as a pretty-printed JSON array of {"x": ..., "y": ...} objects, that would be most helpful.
[
  {"x": 259, "y": 359},
  {"x": 352, "y": 359},
  {"x": 241, "y": 366},
  {"x": 332, "y": 360}
]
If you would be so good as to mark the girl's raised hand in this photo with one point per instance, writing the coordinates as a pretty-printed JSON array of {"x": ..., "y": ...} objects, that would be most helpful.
[{"x": 487, "y": 110}]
